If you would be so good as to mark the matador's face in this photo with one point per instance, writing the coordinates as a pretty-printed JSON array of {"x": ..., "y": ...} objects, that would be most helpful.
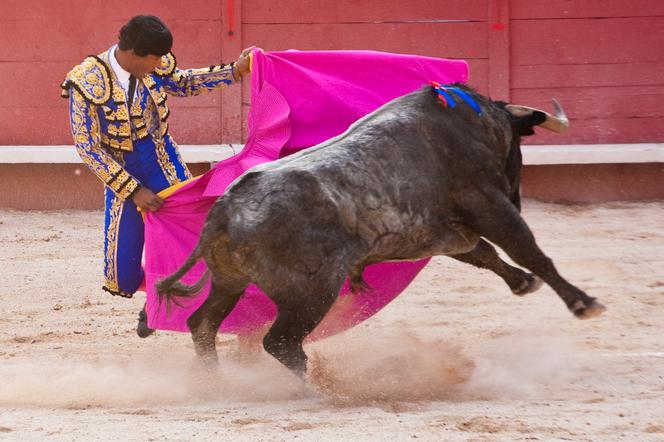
[{"x": 142, "y": 66}]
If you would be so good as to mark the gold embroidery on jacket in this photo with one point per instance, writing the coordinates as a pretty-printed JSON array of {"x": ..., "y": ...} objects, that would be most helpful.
[
  {"x": 90, "y": 142},
  {"x": 119, "y": 96},
  {"x": 196, "y": 81},
  {"x": 91, "y": 79},
  {"x": 125, "y": 145},
  {"x": 136, "y": 110},
  {"x": 120, "y": 114},
  {"x": 141, "y": 133},
  {"x": 87, "y": 139},
  {"x": 149, "y": 82},
  {"x": 138, "y": 122},
  {"x": 120, "y": 130},
  {"x": 164, "y": 112},
  {"x": 128, "y": 185},
  {"x": 167, "y": 65}
]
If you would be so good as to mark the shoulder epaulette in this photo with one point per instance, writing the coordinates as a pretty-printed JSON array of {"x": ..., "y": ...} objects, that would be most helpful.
[
  {"x": 168, "y": 65},
  {"x": 91, "y": 79}
]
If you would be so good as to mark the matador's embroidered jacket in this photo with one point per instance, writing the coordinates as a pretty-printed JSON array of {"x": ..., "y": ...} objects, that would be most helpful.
[{"x": 115, "y": 142}]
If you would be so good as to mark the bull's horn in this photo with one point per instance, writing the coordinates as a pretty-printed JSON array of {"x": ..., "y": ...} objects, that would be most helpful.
[{"x": 558, "y": 123}]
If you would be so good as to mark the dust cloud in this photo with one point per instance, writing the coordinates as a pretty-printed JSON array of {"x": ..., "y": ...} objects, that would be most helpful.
[
  {"x": 407, "y": 368},
  {"x": 145, "y": 381},
  {"x": 370, "y": 369}
]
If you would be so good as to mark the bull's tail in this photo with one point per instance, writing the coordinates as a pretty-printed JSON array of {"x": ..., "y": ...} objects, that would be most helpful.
[{"x": 171, "y": 287}]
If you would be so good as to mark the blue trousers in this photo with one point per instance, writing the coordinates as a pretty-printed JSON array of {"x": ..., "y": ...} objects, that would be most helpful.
[{"x": 123, "y": 224}]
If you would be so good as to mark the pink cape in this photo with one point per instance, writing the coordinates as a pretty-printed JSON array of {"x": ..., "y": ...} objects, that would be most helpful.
[{"x": 298, "y": 99}]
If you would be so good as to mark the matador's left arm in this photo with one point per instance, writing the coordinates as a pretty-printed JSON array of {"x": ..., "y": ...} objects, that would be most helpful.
[
  {"x": 186, "y": 83},
  {"x": 189, "y": 82}
]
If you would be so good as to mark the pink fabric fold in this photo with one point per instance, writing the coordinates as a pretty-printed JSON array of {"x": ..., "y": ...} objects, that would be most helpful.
[{"x": 298, "y": 100}]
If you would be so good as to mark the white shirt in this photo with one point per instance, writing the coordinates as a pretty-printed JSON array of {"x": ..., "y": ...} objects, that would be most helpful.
[{"x": 121, "y": 74}]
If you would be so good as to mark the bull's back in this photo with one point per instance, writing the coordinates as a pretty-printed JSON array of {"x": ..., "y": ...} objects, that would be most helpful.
[{"x": 392, "y": 173}]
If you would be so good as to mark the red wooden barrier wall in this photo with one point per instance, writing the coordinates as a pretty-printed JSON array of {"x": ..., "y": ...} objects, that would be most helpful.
[{"x": 601, "y": 58}]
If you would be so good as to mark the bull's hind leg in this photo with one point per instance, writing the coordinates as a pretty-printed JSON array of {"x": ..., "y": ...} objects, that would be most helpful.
[
  {"x": 204, "y": 322},
  {"x": 296, "y": 318},
  {"x": 485, "y": 256},
  {"x": 499, "y": 221}
]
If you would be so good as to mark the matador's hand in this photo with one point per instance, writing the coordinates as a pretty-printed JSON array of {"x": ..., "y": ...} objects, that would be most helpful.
[
  {"x": 145, "y": 199},
  {"x": 241, "y": 67}
]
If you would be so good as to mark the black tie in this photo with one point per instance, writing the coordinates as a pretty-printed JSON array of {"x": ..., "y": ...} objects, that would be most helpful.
[{"x": 132, "y": 90}]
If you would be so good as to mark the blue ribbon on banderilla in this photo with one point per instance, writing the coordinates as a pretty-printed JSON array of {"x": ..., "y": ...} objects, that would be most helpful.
[{"x": 445, "y": 91}]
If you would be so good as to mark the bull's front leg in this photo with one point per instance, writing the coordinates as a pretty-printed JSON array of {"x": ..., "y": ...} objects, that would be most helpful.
[
  {"x": 494, "y": 217},
  {"x": 484, "y": 256}
]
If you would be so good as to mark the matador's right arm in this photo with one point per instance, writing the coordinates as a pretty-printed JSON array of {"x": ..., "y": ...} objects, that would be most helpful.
[{"x": 85, "y": 129}]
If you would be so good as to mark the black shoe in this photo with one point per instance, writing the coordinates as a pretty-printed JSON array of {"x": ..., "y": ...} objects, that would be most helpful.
[{"x": 142, "y": 329}]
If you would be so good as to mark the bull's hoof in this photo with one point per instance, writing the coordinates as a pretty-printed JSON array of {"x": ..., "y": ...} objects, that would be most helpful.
[
  {"x": 586, "y": 311},
  {"x": 531, "y": 284},
  {"x": 142, "y": 329}
]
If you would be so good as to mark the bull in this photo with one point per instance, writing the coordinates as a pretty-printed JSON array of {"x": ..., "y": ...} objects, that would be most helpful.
[{"x": 413, "y": 179}]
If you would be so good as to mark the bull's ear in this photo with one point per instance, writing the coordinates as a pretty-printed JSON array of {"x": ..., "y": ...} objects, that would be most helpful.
[{"x": 557, "y": 123}]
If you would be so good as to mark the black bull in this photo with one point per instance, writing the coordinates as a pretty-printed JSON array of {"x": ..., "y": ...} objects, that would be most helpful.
[{"x": 411, "y": 180}]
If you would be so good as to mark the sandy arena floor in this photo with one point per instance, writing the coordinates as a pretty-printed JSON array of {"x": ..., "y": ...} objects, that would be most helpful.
[{"x": 455, "y": 358}]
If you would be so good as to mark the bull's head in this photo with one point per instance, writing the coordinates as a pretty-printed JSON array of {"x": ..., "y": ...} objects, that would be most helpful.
[{"x": 524, "y": 119}]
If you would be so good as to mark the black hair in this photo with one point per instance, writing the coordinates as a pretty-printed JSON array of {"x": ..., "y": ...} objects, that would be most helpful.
[{"x": 146, "y": 35}]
